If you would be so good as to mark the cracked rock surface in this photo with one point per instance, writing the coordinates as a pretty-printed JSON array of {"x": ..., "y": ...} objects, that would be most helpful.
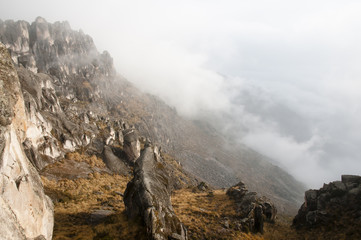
[
  {"x": 25, "y": 211},
  {"x": 148, "y": 196}
]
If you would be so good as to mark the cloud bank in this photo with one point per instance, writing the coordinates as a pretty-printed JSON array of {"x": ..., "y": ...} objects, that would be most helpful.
[{"x": 283, "y": 76}]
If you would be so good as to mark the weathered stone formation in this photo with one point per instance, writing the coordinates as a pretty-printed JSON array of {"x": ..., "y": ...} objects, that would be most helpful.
[
  {"x": 148, "y": 196},
  {"x": 58, "y": 68},
  {"x": 131, "y": 144},
  {"x": 114, "y": 163},
  {"x": 331, "y": 202},
  {"x": 251, "y": 208},
  {"x": 54, "y": 49},
  {"x": 25, "y": 211}
]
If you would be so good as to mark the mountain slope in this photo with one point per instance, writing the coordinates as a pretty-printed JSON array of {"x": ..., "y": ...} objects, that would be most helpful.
[{"x": 79, "y": 91}]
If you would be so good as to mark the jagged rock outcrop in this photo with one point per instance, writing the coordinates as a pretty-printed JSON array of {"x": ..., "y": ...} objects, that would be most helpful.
[
  {"x": 334, "y": 201},
  {"x": 60, "y": 72},
  {"x": 55, "y": 49},
  {"x": 148, "y": 196},
  {"x": 251, "y": 208},
  {"x": 25, "y": 211}
]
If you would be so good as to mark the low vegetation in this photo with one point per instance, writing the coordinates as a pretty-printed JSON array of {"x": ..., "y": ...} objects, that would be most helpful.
[
  {"x": 209, "y": 215},
  {"x": 212, "y": 215},
  {"x": 78, "y": 202}
]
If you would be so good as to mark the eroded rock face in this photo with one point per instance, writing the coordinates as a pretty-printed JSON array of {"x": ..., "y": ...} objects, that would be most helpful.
[
  {"x": 57, "y": 68},
  {"x": 148, "y": 196},
  {"x": 54, "y": 48},
  {"x": 252, "y": 209},
  {"x": 25, "y": 211},
  {"x": 331, "y": 202}
]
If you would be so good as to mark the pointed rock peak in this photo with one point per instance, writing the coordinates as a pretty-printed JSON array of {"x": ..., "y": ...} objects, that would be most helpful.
[{"x": 40, "y": 20}]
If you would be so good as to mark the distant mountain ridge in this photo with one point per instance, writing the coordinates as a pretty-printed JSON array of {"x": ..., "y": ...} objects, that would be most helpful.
[{"x": 72, "y": 73}]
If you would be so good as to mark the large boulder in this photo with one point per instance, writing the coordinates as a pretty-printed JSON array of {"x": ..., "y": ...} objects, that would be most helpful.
[
  {"x": 25, "y": 211},
  {"x": 252, "y": 209},
  {"x": 334, "y": 201},
  {"x": 114, "y": 163},
  {"x": 148, "y": 196}
]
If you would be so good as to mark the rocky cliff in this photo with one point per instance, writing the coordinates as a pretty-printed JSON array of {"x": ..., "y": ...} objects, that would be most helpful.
[
  {"x": 321, "y": 206},
  {"x": 26, "y": 212},
  {"x": 55, "y": 61},
  {"x": 75, "y": 101},
  {"x": 336, "y": 207}
]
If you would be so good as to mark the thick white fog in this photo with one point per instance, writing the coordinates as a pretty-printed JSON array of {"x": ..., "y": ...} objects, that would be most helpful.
[{"x": 284, "y": 77}]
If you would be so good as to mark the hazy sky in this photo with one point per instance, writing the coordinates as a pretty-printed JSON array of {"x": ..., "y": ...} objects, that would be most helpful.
[{"x": 283, "y": 75}]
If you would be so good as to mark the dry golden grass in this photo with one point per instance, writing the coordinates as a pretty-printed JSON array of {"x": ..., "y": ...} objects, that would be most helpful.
[
  {"x": 75, "y": 200},
  {"x": 342, "y": 228},
  {"x": 205, "y": 214},
  {"x": 93, "y": 160},
  {"x": 281, "y": 229}
]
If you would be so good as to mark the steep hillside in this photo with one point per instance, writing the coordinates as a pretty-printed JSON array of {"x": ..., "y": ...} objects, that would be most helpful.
[{"x": 75, "y": 100}]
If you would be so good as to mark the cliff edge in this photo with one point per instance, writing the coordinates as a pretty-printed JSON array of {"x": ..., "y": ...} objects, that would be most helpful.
[{"x": 26, "y": 212}]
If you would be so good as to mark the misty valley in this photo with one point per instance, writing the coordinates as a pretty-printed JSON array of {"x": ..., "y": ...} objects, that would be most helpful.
[{"x": 86, "y": 153}]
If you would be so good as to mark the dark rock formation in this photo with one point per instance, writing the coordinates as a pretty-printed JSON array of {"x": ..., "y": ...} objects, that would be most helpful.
[
  {"x": 251, "y": 208},
  {"x": 334, "y": 201},
  {"x": 148, "y": 196},
  {"x": 203, "y": 187},
  {"x": 114, "y": 163},
  {"x": 258, "y": 219}
]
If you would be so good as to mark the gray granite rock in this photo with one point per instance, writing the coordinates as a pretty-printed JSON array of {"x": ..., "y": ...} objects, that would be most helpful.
[{"x": 148, "y": 196}]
